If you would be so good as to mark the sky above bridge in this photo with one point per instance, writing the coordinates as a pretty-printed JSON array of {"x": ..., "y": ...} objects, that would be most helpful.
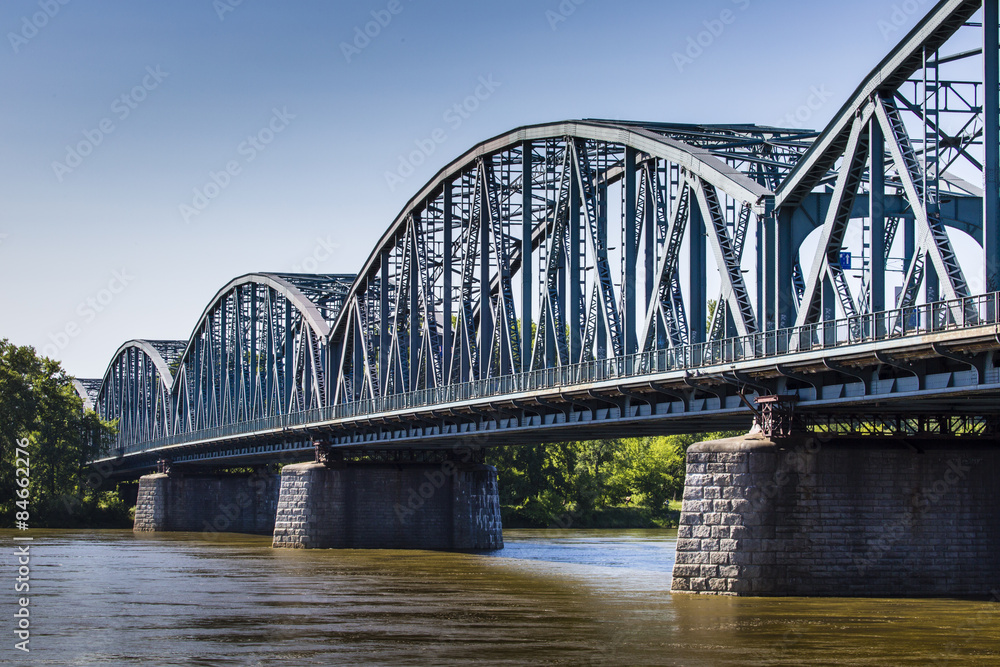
[{"x": 152, "y": 151}]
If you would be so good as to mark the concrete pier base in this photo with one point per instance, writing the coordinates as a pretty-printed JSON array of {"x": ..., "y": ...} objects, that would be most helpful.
[
  {"x": 360, "y": 505},
  {"x": 865, "y": 518},
  {"x": 207, "y": 503}
]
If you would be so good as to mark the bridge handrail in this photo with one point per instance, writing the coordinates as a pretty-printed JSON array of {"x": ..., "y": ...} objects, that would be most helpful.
[{"x": 897, "y": 323}]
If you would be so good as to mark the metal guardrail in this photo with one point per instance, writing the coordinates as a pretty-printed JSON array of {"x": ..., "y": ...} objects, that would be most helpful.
[{"x": 892, "y": 324}]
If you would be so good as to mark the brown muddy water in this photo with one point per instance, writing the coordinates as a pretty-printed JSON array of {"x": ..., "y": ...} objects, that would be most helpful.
[{"x": 564, "y": 597}]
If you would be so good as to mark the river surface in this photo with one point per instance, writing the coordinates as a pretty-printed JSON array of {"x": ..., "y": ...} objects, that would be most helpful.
[{"x": 550, "y": 597}]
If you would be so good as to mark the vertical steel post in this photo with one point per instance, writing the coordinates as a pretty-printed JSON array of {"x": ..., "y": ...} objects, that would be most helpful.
[
  {"x": 574, "y": 270},
  {"x": 631, "y": 253},
  {"x": 829, "y": 310},
  {"x": 384, "y": 332},
  {"x": 760, "y": 272},
  {"x": 286, "y": 399},
  {"x": 527, "y": 265},
  {"x": 932, "y": 282},
  {"x": 991, "y": 140},
  {"x": 485, "y": 302},
  {"x": 876, "y": 280},
  {"x": 271, "y": 365},
  {"x": 414, "y": 320},
  {"x": 783, "y": 290},
  {"x": 697, "y": 274},
  {"x": 768, "y": 268},
  {"x": 446, "y": 293},
  {"x": 909, "y": 238},
  {"x": 602, "y": 241},
  {"x": 649, "y": 225}
]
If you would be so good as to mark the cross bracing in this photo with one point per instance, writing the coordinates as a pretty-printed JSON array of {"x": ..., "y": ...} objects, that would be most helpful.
[{"x": 600, "y": 244}]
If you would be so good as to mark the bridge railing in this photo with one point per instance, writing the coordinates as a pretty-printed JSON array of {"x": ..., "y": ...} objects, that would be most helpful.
[{"x": 869, "y": 328}]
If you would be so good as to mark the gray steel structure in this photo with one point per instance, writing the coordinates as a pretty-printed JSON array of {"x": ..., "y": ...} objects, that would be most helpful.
[{"x": 552, "y": 282}]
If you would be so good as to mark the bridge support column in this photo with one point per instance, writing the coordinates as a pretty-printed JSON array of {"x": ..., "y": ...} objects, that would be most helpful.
[
  {"x": 207, "y": 503},
  {"x": 365, "y": 505},
  {"x": 859, "y": 518}
]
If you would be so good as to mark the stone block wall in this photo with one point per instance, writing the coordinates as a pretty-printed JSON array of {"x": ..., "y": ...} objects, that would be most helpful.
[
  {"x": 209, "y": 503},
  {"x": 861, "y": 518},
  {"x": 151, "y": 505},
  {"x": 389, "y": 506}
]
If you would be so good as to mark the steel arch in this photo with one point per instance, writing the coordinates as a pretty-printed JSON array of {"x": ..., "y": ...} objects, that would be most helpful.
[
  {"x": 135, "y": 390},
  {"x": 521, "y": 223},
  {"x": 87, "y": 390},
  {"x": 258, "y": 350}
]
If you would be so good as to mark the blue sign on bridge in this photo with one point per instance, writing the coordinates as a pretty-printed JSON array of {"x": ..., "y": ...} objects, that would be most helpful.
[{"x": 845, "y": 260}]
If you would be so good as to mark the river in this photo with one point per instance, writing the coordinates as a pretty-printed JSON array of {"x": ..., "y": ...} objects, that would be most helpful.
[{"x": 569, "y": 597}]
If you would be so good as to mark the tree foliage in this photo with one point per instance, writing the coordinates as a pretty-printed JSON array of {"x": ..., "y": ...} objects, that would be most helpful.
[
  {"x": 560, "y": 484},
  {"x": 40, "y": 407}
]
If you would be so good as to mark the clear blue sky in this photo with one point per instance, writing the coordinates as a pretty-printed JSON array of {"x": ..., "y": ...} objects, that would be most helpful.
[{"x": 198, "y": 80}]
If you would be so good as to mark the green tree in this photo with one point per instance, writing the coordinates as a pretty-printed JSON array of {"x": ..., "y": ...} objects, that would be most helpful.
[
  {"x": 543, "y": 485},
  {"x": 39, "y": 406}
]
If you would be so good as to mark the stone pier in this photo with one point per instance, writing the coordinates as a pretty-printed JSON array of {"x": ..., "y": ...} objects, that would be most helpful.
[
  {"x": 366, "y": 505},
  {"x": 224, "y": 503},
  {"x": 864, "y": 518}
]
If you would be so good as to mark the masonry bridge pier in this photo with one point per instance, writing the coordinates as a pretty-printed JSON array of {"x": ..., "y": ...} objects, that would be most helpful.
[
  {"x": 837, "y": 292},
  {"x": 908, "y": 509},
  {"x": 437, "y": 499}
]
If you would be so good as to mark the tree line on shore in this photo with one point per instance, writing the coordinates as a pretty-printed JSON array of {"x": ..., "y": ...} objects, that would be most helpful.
[
  {"x": 607, "y": 483},
  {"x": 41, "y": 415}
]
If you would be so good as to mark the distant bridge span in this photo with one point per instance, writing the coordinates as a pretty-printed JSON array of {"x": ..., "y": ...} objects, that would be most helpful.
[{"x": 592, "y": 277}]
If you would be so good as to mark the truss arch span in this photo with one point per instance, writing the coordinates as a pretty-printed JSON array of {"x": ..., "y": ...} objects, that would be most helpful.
[
  {"x": 258, "y": 350},
  {"x": 135, "y": 390},
  {"x": 560, "y": 243}
]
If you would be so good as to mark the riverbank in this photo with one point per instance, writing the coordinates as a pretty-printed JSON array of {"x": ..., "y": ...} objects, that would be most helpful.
[{"x": 624, "y": 517}]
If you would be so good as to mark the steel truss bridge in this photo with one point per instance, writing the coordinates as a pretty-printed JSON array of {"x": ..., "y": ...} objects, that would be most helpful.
[{"x": 554, "y": 283}]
